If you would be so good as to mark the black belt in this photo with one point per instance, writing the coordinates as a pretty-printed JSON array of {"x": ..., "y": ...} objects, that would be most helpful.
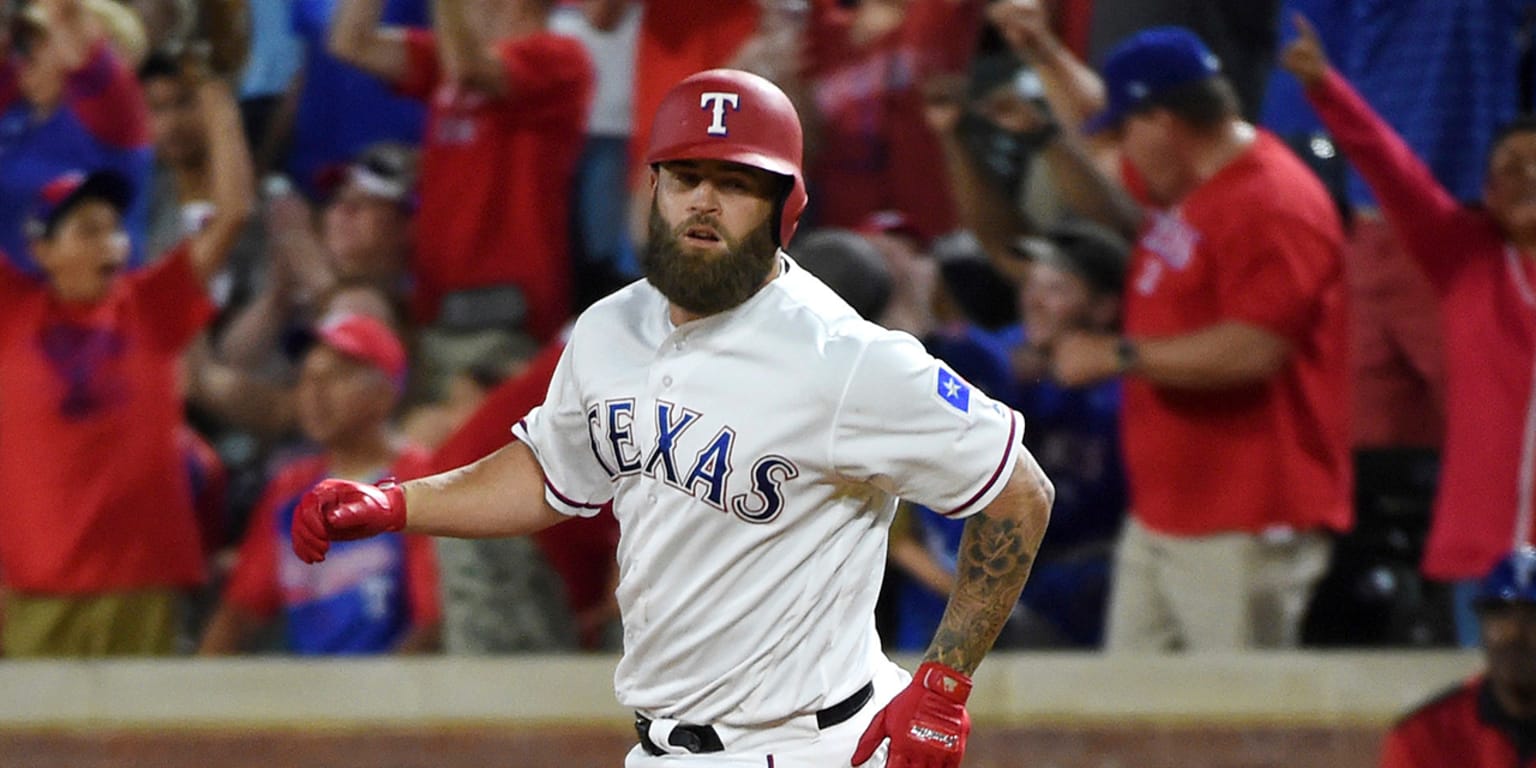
[{"x": 700, "y": 739}]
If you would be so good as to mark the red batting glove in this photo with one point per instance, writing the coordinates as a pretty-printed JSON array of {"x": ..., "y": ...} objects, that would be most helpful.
[
  {"x": 341, "y": 510},
  {"x": 926, "y": 722}
]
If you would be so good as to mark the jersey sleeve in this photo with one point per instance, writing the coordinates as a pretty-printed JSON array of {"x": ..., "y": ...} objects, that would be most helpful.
[
  {"x": 172, "y": 299},
  {"x": 107, "y": 98},
  {"x": 575, "y": 482},
  {"x": 909, "y": 425},
  {"x": 1418, "y": 207}
]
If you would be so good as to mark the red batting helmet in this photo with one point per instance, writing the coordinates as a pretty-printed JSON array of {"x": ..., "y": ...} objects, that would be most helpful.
[{"x": 727, "y": 114}]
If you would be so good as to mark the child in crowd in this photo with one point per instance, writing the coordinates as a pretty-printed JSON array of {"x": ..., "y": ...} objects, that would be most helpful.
[{"x": 371, "y": 596}]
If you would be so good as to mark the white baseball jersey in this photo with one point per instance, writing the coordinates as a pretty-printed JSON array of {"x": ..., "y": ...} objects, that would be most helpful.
[{"x": 754, "y": 458}]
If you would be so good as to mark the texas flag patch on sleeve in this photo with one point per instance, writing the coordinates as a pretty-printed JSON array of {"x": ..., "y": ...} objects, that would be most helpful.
[{"x": 953, "y": 390}]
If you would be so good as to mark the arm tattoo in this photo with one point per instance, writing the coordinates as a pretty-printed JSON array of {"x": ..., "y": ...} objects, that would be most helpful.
[{"x": 996, "y": 552}]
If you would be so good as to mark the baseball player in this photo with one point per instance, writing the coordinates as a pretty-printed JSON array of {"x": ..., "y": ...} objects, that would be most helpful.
[{"x": 753, "y": 435}]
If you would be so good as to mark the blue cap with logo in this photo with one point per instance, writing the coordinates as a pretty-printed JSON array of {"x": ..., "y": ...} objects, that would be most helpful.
[
  {"x": 1512, "y": 580},
  {"x": 1149, "y": 63},
  {"x": 63, "y": 192}
]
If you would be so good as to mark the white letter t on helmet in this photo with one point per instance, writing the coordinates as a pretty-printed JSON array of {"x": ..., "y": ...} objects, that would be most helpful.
[{"x": 715, "y": 100}]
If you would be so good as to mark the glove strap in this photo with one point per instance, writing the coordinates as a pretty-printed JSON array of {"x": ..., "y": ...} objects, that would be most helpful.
[
  {"x": 944, "y": 681},
  {"x": 395, "y": 493}
]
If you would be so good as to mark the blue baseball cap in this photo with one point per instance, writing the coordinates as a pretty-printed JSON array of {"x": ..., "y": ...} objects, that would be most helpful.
[
  {"x": 64, "y": 192},
  {"x": 1512, "y": 580},
  {"x": 1150, "y": 63}
]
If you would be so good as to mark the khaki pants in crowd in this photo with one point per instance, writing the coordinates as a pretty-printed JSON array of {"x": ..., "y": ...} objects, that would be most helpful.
[
  {"x": 138, "y": 623},
  {"x": 1212, "y": 593}
]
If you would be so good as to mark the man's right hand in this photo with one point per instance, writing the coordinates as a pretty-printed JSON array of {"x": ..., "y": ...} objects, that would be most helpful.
[
  {"x": 1304, "y": 56},
  {"x": 341, "y": 510},
  {"x": 1026, "y": 26}
]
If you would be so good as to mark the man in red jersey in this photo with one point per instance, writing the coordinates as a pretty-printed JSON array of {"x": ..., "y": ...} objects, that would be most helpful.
[
  {"x": 1235, "y": 411},
  {"x": 507, "y": 104},
  {"x": 1490, "y": 720}
]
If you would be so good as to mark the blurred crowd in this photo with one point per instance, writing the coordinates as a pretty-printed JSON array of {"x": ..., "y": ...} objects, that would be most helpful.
[{"x": 1258, "y": 275}]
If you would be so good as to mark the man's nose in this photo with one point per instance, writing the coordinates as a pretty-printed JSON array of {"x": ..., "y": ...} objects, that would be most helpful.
[{"x": 705, "y": 198}]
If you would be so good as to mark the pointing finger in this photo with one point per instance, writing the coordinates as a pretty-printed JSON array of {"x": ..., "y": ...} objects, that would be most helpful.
[{"x": 1304, "y": 28}]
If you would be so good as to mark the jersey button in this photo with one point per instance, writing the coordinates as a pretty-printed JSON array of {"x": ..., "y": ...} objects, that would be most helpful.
[{"x": 666, "y": 381}]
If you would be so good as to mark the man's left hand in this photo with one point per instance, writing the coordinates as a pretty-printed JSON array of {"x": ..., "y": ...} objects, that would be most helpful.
[
  {"x": 926, "y": 722},
  {"x": 1079, "y": 359}
]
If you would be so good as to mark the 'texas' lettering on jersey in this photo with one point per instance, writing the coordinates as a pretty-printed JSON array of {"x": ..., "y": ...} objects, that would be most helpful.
[{"x": 705, "y": 475}]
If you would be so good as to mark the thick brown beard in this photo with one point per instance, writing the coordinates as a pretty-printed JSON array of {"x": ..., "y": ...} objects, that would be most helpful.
[{"x": 706, "y": 284}]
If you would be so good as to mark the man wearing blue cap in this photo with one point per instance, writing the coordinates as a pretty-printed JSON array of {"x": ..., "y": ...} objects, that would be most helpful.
[
  {"x": 1234, "y": 411},
  {"x": 1489, "y": 720}
]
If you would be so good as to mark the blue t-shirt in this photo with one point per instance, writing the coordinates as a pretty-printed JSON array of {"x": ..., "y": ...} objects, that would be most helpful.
[
  {"x": 355, "y": 602},
  {"x": 1075, "y": 435},
  {"x": 342, "y": 109}
]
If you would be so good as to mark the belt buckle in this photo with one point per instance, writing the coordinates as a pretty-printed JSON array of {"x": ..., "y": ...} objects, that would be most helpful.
[{"x": 695, "y": 739}]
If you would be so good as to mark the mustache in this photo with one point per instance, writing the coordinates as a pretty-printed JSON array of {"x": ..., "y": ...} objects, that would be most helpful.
[{"x": 699, "y": 220}]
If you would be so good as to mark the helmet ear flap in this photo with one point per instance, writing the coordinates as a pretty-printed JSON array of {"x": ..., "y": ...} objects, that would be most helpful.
[{"x": 776, "y": 221}]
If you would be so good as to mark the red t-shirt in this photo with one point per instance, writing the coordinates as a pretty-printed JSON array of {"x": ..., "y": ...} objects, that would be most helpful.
[
  {"x": 678, "y": 38},
  {"x": 97, "y": 495},
  {"x": 254, "y": 585},
  {"x": 496, "y": 175},
  {"x": 1258, "y": 243},
  {"x": 1490, "y": 335},
  {"x": 876, "y": 151},
  {"x": 1461, "y": 728}
]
